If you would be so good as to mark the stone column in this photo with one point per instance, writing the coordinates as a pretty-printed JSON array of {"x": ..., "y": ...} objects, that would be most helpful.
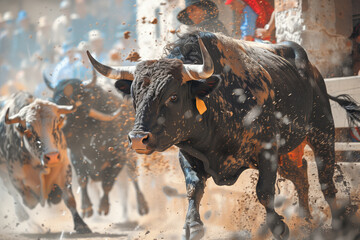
[{"x": 322, "y": 27}]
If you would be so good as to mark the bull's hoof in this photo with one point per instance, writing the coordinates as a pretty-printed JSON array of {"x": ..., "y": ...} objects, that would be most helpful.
[
  {"x": 87, "y": 212},
  {"x": 142, "y": 204},
  {"x": 104, "y": 206},
  {"x": 281, "y": 231},
  {"x": 194, "y": 231},
  {"x": 82, "y": 228},
  {"x": 345, "y": 215}
]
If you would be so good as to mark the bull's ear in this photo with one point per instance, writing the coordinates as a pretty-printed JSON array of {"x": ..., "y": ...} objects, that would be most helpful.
[
  {"x": 204, "y": 87},
  {"x": 123, "y": 85}
]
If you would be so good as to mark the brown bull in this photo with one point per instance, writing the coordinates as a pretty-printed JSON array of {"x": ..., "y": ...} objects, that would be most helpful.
[{"x": 33, "y": 149}]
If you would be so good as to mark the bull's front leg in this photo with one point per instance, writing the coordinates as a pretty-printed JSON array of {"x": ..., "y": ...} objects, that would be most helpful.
[
  {"x": 108, "y": 178},
  {"x": 83, "y": 178},
  {"x": 69, "y": 199},
  {"x": 86, "y": 205},
  {"x": 195, "y": 179},
  {"x": 265, "y": 190}
]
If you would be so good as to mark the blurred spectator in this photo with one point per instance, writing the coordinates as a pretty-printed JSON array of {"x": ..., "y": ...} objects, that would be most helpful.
[
  {"x": 62, "y": 26},
  {"x": 2, "y": 24},
  {"x": 355, "y": 37},
  {"x": 7, "y": 44},
  {"x": 4, "y": 73},
  {"x": 202, "y": 14},
  {"x": 66, "y": 67},
  {"x": 44, "y": 40},
  {"x": 103, "y": 11},
  {"x": 82, "y": 66},
  {"x": 96, "y": 42},
  {"x": 255, "y": 14},
  {"x": 25, "y": 39},
  {"x": 43, "y": 59},
  {"x": 82, "y": 21}
]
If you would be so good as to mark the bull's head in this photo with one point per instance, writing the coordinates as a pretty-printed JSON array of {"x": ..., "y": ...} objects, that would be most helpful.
[
  {"x": 165, "y": 96},
  {"x": 39, "y": 128},
  {"x": 84, "y": 94}
]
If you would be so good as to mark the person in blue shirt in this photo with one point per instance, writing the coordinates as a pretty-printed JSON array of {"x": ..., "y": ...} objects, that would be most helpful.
[{"x": 66, "y": 67}]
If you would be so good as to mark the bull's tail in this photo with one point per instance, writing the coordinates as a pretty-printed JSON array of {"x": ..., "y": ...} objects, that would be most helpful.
[{"x": 351, "y": 107}]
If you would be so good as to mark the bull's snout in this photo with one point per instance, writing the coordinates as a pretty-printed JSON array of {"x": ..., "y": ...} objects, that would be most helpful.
[
  {"x": 52, "y": 158},
  {"x": 139, "y": 140}
]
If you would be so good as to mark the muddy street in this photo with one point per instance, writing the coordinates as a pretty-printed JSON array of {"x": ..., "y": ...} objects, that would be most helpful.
[
  {"x": 227, "y": 212},
  {"x": 180, "y": 119}
]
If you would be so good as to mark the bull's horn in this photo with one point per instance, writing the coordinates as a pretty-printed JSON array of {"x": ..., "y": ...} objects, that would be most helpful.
[
  {"x": 92, "y": 83},
  {"x": 126, "y": 73},
  {"x": 11, "y": 120},
  {"x": 48, "y": 83},
  {"x": 66, "y": 109},
  {"x": 103, "y": 116},
  {"x": 195, "y": 71}
]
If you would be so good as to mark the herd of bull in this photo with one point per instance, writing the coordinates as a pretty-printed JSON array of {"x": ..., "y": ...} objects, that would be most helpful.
[
  {"x": 228, "y": 105},
  {"x": 36, "y": 136}
]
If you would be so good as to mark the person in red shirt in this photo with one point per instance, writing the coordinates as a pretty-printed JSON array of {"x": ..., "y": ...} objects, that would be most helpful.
[{"x": 256, "y": 15}]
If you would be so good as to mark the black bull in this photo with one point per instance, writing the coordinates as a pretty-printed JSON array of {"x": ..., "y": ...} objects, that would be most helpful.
[
  {"x": 262, "y": 101},
  {"x": 96, "y": 135}
]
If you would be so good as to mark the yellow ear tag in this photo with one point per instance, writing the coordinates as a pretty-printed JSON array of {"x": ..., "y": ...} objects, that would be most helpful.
[{"x": 200, "y": 105}]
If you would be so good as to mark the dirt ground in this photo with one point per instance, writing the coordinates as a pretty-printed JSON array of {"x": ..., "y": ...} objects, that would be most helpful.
[{"x": 228, "y": 212}]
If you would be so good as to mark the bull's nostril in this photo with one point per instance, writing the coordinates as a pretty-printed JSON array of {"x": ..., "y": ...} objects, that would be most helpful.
[
  {"x": 145, "y": 139},
  {"x": 139, "y": 140},
  {"x": 53, "y": 157}
]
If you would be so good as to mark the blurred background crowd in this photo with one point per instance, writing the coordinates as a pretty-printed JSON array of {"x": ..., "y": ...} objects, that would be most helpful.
[
  {"x": 57, "y": 47},
  {"x": 54, "y": 41}
]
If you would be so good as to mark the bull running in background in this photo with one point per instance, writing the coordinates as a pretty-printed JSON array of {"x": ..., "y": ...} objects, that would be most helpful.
[
  {"x": 33, "y": 153},
  {"x": 97, "y": 137},
  {"x": 230, "y": 105}
]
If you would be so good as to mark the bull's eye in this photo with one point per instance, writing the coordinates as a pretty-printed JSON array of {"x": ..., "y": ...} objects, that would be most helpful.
[
  {"x": 61, "y": 122},
  {"x": 20, "y": 128},
  {"x": 28, "y": 133},
  {"x": 173, "y": 98}
]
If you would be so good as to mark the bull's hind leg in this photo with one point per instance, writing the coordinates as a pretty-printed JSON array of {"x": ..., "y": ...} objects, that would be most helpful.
[
  {"x": 68, "y": 197},
  {"x": 322, "y": 142},
  {"x": 141, "y": 202},
  {"x": 265, "y": 190},
  {"x": 86, "y": 205},
  {"x": 299, "y": 177}
]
